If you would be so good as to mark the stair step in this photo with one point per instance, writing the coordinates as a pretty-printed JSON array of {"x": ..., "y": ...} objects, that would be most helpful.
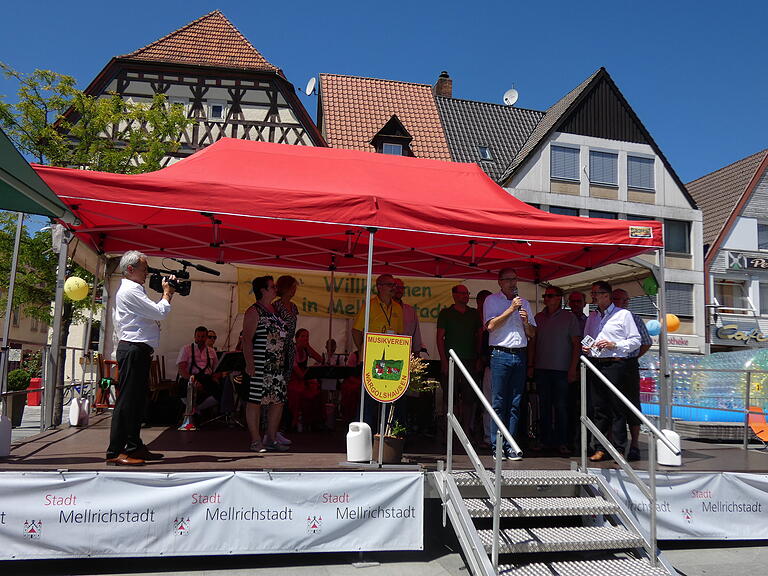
[
  {"x": 611, "y": 567},
  {"x": 520, "y": 540},
  {"x": 529, "y": 478},
  {"x": 528, "y": 507}
]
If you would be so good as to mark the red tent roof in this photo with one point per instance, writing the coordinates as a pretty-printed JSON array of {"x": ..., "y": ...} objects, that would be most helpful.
[{"x": 249, "y": 202}]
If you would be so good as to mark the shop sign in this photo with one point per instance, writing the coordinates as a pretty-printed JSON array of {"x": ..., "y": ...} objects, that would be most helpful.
[
  {"x": 740, "y": 261},
  {"x": 737, "y": 334}
]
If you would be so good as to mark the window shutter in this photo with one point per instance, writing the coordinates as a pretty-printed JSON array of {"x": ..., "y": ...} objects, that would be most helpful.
[
  {"x": 564, "y": 163},
  {"x": 679, "y": 301},
  {"x": 603, "y": 168},
  {"x": 640, "y": 172}
]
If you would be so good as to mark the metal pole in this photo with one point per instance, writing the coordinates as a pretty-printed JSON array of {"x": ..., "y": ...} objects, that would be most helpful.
[
  {"x": 9, "y": 306},
  {"x": 54, "y": 360},
  {"x": 747, "y": 402},
  {"x": 330, "y": 307},
  {"x": 382, "y": 431},
  {"x": 371, "y": 232},
  {"x": 448, "y": 414},
  {"x": 652, "y": 489},
  {"x": 665, "y": 391},
  {"x": 497, "y": 500},
  {"x": 583, "y": 417}
]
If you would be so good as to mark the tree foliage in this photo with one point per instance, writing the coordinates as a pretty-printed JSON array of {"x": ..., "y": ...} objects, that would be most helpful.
[{"x": 59, "y": 125}]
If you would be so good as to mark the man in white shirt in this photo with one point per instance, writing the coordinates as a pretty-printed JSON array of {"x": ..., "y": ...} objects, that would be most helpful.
[
  {"x": 137, "y": 324},
  {"x": 615, "y": 338},
  {"x": 510, "y": 324}
]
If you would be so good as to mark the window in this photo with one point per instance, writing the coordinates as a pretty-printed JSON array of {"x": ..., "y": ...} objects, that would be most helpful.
[
  {"x": 394, "y": 149},
  {"x": 640, "y": 172},
  {"x": 677, "y": 236},
  {"x": 537, "y": 206},
  {"x": 15, "y": 313},
  {"x": 179, "y": 102},
  {"x": 485, "y": 153},
  {"x": 564, "y": 210},
  {"x": 763, "y": 299},
  {"x": 564, "y": 163},
  {"x": 762, "y": 236},
  {"x": 732, "y": 296},
  {"x": 216, "y": 110},
  {"x": 679, "y": 301},
  {"x": 603, "y": 168},
  {"x": 35, "y": 324},
  {"x": 601, "y": 214}
]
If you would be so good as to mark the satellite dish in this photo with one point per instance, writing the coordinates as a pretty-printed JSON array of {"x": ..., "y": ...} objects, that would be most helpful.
[
  {"x": 310, "y": 89},
  {"x": 510, "y": 97}
]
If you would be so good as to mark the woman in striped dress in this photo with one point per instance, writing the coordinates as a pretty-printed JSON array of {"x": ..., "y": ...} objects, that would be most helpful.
[{"x": 264, "y": 338}]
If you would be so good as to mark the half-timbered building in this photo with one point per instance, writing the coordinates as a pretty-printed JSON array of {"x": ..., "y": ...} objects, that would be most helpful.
[{"x": 220, "y": 79}]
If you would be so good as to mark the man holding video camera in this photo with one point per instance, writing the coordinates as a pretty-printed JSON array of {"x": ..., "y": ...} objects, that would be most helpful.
[{"x": 137, "y": 324}]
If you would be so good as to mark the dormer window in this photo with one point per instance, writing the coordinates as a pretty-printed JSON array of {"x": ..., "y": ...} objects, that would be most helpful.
[
  {"x": 485, "y": 153},
  {"x": 393, "y": 139},
  {"x": 390, "y": 148}
]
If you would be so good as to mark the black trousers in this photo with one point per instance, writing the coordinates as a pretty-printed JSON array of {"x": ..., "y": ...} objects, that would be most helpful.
[
  {"x": 133, "y": 363},
  {"x": 608, "y": 412}
]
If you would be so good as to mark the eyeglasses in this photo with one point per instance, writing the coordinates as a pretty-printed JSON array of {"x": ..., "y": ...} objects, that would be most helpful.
[{"x": 211, "y": 336}]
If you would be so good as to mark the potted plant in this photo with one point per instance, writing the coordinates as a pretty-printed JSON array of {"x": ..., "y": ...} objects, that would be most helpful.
[
  {"x": 18, "y": 380},
  {"x": 394, "y": 439}
]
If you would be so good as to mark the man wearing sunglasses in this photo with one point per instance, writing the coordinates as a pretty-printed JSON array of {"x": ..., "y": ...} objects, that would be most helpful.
[
  {"x": 615, "y": 337},
  {"x": 510, "y": 323}
]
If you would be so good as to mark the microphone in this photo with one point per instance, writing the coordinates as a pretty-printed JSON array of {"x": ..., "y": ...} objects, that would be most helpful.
[{"x": 199, "y": 267}]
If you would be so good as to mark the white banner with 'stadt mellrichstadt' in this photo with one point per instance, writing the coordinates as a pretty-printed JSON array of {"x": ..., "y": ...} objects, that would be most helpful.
[{"x": 97, "y": 514}]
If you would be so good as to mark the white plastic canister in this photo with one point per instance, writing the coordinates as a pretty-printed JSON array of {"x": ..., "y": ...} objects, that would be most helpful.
[{"x": 359, "y": 445}]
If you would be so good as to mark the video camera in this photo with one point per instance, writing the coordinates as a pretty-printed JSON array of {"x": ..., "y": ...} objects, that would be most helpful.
[{"x": 181, "y": 284}]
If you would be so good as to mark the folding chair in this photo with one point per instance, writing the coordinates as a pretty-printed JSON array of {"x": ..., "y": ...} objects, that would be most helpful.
[{"x": 756, "y": 421}]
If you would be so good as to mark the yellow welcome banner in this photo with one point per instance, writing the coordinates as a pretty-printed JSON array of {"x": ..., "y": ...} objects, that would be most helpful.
[{"x": 313, "y": 297}]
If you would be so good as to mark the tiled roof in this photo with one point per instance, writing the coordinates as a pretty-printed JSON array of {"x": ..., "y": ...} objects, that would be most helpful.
[
  {"x": 211, "y": 40},
  {"x": 354, "y": 109},
  {"x": 718, "y": 193},
  {"x": 503, "y": 129},
  {"x": 547, "y": 123}
]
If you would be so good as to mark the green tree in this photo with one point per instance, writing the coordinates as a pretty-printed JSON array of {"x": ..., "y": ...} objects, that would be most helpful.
[{"x": 54, "y": 123}]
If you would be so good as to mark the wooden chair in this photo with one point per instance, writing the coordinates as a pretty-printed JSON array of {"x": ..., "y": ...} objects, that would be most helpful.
[
  {"x": 107, "y": 378},
  {"x": 157, "y": 382},
  {"x": 756, "y": 421}
]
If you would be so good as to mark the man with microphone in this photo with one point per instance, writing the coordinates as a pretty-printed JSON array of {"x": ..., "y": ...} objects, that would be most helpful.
[
  {"x": 510, "y": 324},
  {"x": 137, "y": 324}
]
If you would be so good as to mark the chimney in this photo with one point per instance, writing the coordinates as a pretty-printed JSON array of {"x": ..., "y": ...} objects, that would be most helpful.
[{"x": 444, "y": 86}]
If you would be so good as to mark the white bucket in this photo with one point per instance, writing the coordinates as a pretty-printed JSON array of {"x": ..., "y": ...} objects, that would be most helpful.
[
  {"x": 665, "y": 456},
  {"x": 359, "y": 445}
]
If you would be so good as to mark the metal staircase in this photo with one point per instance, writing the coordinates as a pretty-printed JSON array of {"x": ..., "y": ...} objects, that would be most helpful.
[
  {"x": 546, "y": 522},
  {"x": 553, "y": 522}
]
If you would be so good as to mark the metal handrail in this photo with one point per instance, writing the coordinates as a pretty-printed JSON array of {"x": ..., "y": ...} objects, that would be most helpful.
[
  {"x": 656, "y": 432},
  {"x": 587, "y": 424},
  {"x": 492, "y": 488}
]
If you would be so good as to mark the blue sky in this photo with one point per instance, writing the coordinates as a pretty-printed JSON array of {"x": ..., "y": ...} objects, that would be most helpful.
[{"x": 694, "y": 72}]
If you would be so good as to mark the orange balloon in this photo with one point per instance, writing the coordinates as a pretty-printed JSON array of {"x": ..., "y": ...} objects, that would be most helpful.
[{"x": 673, "y": 323}]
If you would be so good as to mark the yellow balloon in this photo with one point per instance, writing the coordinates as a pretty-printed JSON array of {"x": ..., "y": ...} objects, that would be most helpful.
[
  {"x": 75, "y": 288},
  {"x": 673, "y": 323}
]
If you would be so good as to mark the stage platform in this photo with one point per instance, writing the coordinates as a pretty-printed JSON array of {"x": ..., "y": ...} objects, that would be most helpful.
[{"x": 219, "y": 448}]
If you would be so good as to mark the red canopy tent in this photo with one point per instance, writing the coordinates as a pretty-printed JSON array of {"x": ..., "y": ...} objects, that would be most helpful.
[{"x": 268, "y": 204}]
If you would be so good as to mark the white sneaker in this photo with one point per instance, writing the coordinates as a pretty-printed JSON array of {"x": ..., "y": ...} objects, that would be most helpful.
[{"x": 279, "y": 439}]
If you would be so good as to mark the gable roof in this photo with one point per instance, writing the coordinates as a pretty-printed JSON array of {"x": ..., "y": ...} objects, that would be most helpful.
[
  {"x": 355, "y": 109},
  {"x": 721, "y": 194},
  {"x": 590, "y": 103},
  {"x": 211, "y": 40},
  {"x": 503, "y": 129}
]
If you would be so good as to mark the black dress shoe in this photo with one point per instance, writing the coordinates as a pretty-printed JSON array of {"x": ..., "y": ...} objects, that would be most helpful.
[
  {"x": 143, "y": 453},
  {"x": 125, "y": 460}
]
